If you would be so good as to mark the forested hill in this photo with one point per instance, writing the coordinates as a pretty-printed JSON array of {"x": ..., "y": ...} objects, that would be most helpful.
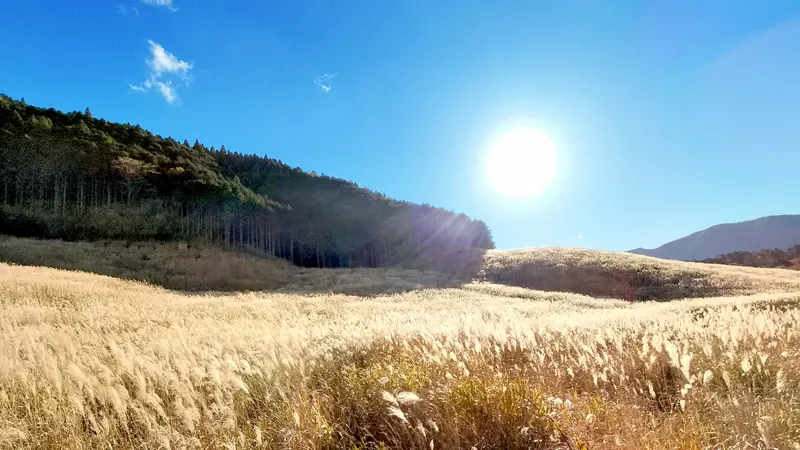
[{"x": 71, "y": 176}]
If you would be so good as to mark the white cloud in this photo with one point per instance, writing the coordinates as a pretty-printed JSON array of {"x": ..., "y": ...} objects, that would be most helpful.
[
  {"x": 164, "y": 3},
  {"x": 324, "y": 81},
  {"x": 164, "y": 61},
  {"x": 580, "y": 236},
  {"x": 164, "y": 68}
]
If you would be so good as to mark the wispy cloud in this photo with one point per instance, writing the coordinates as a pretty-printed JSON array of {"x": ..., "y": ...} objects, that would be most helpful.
[
  {"x": 165, "y": 88},
  {"x": 163, "y": 3},
  {"x": 580, "y": 236},
  {"x": 167, "y": 91},
  {"x": 165, "y": 69},
  {"x": 324, "y": 81},
  {"x": 125, "y": 10}
]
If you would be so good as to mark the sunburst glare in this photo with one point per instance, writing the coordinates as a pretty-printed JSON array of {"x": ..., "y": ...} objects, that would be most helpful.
[{"x": 522, "y": 163}]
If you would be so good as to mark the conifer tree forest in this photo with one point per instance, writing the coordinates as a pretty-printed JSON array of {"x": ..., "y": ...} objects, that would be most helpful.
[{"x": 76, "y": 177}]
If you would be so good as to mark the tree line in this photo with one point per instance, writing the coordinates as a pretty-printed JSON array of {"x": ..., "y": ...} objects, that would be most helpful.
[
  {"x": 770, "y": 258},
  {"x": 72, "y": 176}
]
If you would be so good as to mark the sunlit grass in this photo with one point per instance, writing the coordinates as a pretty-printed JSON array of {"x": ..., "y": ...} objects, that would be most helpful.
[{"x": 95, "y": 362}]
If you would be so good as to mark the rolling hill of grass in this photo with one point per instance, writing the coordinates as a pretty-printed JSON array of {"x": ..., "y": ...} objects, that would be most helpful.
[
  {"x": 202, "y": 267},
  {"x": 627, "y": 276}
]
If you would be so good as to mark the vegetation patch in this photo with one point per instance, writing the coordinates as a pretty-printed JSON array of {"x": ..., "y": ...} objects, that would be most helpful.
[{"x": 87, "y": 361}]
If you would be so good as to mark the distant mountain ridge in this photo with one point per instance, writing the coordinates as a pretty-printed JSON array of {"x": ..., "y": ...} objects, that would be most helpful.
[{"x": 769, "y": 232}]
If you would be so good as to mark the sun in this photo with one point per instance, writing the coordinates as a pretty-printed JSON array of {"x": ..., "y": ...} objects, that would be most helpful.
[{"x": 522, "y": 163}]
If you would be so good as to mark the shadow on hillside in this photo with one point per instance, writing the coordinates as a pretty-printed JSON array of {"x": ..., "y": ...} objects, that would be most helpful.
[
  {"x": 431, "y": 270},
  {"x": 591, "y": 281},
  {"x": 202, "y": 268},
  {"x": 460, "y": 265},
  {"x": 615, "y": 275},
  {"x": 178, "y": 266}
]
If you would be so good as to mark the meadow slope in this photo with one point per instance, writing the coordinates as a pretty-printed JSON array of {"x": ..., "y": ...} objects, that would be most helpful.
[
  {"x": 201, "y": 267},
  {"x": 90, "y": 361}
]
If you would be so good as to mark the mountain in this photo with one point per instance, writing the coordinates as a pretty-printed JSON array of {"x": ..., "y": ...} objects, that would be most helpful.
[
  {"x": 77, "y": 177},
  {"x": 769, "y": 232}
]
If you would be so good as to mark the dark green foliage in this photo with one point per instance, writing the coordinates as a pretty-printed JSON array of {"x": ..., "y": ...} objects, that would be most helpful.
[
  {"x": 354, "y": 224},
  {"x": 82, "y": 129},
  {"x": 76, "y": 177},
  {"x": 768, "y": 258}
]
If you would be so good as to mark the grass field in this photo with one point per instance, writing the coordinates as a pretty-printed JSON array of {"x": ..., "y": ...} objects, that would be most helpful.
[{"x": 90, "y": 361}]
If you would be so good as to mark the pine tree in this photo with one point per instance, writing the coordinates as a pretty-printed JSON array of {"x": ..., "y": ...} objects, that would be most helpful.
[{"x": 88, "y": 113}]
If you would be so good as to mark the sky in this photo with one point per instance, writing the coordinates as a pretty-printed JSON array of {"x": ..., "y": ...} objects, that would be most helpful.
[{"x": 668, "y": 116}]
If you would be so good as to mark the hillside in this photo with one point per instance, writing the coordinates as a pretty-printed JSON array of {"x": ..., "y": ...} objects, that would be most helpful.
[
  {"x": 199, "y": 267},
  {"x": 626, "y": 276},
  {"x": 89, "y": 361},
  {"x": 73, "y": 176},
  {"x": 752, "y": 235}
]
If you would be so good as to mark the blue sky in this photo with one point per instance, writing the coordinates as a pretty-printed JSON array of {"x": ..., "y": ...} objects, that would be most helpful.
[{"x": 669, "y": 116}]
